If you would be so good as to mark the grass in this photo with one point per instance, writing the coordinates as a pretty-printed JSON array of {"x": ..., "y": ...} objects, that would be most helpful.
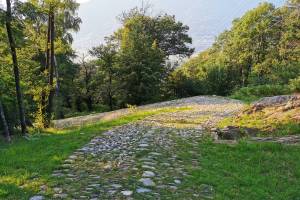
[
  {"x": 244, "y": 171},
  {"x": 25, "y": 165},
  {"x": 270, "y": 122}
]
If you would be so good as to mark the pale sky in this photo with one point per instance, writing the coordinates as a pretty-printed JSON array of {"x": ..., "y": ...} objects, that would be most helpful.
[
  {"x": 79, "y": 1},
  {"x": 206, "y": 18}
]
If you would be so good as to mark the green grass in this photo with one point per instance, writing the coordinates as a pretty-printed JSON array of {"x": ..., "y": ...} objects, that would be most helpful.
[
  {"x": 244, "y": 171},
  {"x": 25, "y": 165},
  {"x": 268, "y": 125},
  {"x": 269, "y": 122}
]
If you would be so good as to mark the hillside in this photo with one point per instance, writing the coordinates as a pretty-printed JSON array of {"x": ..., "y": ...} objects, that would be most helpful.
[
  {"x": 143, "y": 159},
  {"x": 163, "y": 150},
  {"x": 127, "y": 121}
]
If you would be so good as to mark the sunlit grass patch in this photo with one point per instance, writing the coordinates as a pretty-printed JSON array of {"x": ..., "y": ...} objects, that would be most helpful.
[{"x": 270, "y": 122}]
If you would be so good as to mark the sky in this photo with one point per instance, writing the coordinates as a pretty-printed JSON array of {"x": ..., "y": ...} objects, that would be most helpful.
[
  {"x": 79, "y": 1},
  {"x": 206, "y": 18}
]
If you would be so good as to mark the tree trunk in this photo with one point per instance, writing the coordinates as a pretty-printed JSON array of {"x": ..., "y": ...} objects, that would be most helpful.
[
  {"x": 46, "y": 69},
  {"x": 88, "y": 98},
  {"x": 4, "y": 122},
  {"x": 89, "y": 103},
  {"x": 15, "y": 66},
  {"x": 78, "y": 103},
  {"x": 51, "y": 70},
  {"x": 111, "y": 107},
  {"x": 110, "y": 92}
]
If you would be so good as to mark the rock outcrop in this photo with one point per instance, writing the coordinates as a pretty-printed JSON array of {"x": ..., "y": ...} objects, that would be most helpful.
[{"x": 285, "y": 102}]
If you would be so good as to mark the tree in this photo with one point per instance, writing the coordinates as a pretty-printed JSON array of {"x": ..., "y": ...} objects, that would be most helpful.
[
  {"x": 146, "y": 42},
  {"x": 262, "y": 47},
  {"x": 171, "y": 35},
  {"x": 69, "y": 21},
  {"x": 107, "y": 55},
  {"x": 250, "y": 40},
  {"x": 85, "y": 83},
  {"x": 141, "y": 64},
  {"x": 50, "y": 62},
  {"x": 4, "y": 122},
  {"x": 10, "y": 116},
  {"x": 289, "y": 48},
  {"x": 42, "y": 76},
  {"x": 15, "y": 66},
  {"x": 55, "y": 19},
  {"x": 66, "y": 84}
]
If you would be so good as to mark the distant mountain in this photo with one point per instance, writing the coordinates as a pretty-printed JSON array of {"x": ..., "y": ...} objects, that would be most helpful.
[{"x": 206, "y": 19}]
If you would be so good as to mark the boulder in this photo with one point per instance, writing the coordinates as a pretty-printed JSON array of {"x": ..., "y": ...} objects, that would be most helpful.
[
  {"x": 234, "y": 133},
  {"x": 270, "y": 101},
  {"x": 285, "y": 101},
  {"x": 292, "y": 103},
  {"x": 37, "y": 198}
]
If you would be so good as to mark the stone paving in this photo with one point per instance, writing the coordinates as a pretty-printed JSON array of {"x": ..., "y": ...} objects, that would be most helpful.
[
  {"x": 192, "y": 101},
  {"x": 287, "y": 140},
  {"x": 139, "y": 160}
]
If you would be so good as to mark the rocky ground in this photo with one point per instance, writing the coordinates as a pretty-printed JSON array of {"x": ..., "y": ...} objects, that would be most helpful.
[
  {"x": 275, "y": 118},
  {"x": 139, "y": 160},
  {"x": 185, "y": 102}
]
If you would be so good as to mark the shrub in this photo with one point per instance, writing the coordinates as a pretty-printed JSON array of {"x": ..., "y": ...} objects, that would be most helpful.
[
  {"x": 253, "y": 93},
  {"x": 294, "y": 85}
]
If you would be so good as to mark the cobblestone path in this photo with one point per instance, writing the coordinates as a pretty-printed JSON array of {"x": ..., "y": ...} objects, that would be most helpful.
[{"x": 139, "y": 160}]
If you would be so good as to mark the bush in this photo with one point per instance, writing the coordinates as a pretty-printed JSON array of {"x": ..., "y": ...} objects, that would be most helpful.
[
  {"x": 221, "y": 80},
  {"x": 294, "y": 85},
  {"x": 253, "y": 93}
]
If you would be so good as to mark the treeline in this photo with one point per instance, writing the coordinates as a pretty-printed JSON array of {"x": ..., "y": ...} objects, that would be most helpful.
[
  {"x": 261, "y": 48},
  {"x": 41, "y": 73},
  {"x": 35, "y": 51}
]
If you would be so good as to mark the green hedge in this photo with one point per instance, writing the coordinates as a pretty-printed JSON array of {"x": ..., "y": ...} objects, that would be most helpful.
[
  {"x": 253, "y": 93},
  {"x": 295, "y": 85}
]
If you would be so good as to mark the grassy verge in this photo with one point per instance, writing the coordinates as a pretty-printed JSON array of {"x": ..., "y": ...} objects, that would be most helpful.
[
  {"x": 269, "y": 122},
  {"x": 25, "y": 165},
  {"x": 245, "y": 171}
]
